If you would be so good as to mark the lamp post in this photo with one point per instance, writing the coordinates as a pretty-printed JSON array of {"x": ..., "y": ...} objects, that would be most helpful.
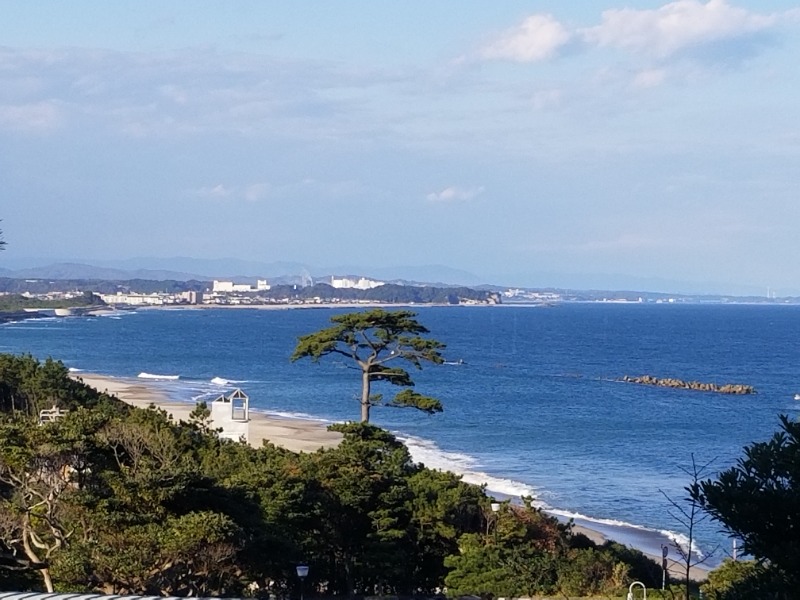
[
  {"x": 302, "y": 573},
  {"x": 495, "y": 510}
]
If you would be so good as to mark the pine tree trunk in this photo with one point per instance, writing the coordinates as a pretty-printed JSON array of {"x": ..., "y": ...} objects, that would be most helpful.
[{"x": 365, "y": 395}]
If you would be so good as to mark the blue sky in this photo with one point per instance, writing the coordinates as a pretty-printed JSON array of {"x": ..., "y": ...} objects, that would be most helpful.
[{"x": 524, "y": 142}]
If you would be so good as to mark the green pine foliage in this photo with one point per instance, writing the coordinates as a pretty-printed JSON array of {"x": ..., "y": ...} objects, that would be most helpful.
[
  {"x": 115, "y": 499},
  {"x": 18, "y": 302},
  {"x": 376, "y": 342},
  {"x": 758, "y": 501}
]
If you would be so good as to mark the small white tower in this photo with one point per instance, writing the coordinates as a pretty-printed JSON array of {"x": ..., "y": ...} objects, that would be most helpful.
[{"x": 232, "y": 414}]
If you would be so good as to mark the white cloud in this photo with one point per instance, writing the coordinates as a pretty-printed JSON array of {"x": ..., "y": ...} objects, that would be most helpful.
[
  {"x": 218, "y": 191},
  {"x": 455, "y": 194},
  {"x": 37, "y": 117},
  {"x": 649, "y": 78},
  {"x": 256, "y": 191},
  {"x": 547, "y": 99},
  {"x": 175, "y": 93},
  {"x": 675, "y": 26},
  {"x": 537, "y": 38},
  {"x": 194, "y": 91}
]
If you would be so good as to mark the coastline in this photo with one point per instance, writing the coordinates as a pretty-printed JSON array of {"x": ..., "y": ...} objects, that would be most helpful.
[
  {"x": 300, "y": 435},
  {"x": 297, "y": 435}
]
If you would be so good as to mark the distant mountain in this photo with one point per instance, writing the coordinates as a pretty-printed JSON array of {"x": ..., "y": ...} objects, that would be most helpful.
[
  {"x": 208, "y": 268},
  {"x": 184, "y": 268},
  {"x": 81, "y": 271},
  {"x": 234, "y": 267}
]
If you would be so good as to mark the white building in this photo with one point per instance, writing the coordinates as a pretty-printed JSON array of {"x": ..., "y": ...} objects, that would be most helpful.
[
  {"x": 154, "y": 299},
  {"x": 227, "y": 287},
  {"x": 132, "y": 299},
  {"x": 362, "y": 283}
]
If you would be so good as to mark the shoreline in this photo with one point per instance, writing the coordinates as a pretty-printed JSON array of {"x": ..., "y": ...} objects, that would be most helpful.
[
  {"x": 300, "y": 435},
  {"x": 297, "y": 435}
]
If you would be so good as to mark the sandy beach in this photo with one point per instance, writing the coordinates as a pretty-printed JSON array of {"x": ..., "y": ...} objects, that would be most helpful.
[{"x": 297, "y": 435}]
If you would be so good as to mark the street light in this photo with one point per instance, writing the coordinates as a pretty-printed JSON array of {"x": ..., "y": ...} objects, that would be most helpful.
[{"x": 302, "y": 573}]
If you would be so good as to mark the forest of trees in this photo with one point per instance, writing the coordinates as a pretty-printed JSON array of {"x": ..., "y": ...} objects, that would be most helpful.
[
  {"x": 13, "y": 302},
  {"x": 117, "y": 499},
  {"x": 389, "y": 293}
]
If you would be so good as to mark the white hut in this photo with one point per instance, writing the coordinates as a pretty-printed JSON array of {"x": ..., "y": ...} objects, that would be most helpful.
[{"x": 232, "y": 414}]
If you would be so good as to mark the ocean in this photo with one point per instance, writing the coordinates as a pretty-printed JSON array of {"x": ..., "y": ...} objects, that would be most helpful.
[{"x": 531, "y": 405}]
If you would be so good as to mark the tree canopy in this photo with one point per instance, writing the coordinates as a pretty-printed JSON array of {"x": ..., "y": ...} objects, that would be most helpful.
[
  {"x": 758, "y": 502},
  {"x": 525, "y": 553},
  {"x": 375, "y": 341},
  {"x": 115, "y": 499}
]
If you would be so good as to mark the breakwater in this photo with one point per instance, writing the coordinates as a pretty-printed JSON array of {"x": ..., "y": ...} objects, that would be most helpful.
[{"x": 728, "y": 388}]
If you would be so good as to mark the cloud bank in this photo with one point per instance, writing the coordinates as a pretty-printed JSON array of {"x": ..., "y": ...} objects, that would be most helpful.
[
  {"x": 455, "y": 194},
  {"x": 539, "y": 37},
  {"x": 660, "y": 32}
]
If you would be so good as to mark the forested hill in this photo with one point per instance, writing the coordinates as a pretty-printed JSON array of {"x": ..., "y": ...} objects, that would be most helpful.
[
  {"x": 143, "y": 286},
  {"x": 388, "y": 293}
]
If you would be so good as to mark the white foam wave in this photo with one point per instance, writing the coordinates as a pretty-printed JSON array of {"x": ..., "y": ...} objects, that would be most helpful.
[
  {"x": 677, "y": 538},
  {"x": 600, "y": 521},
  {"x": 682, "y": 541},
  {"x": 205, "y": 396},
  {"x": 293, "y": 415},
  {"x": 111, "y": 313},
  {"x": 144, "y": 375},
  {"x": 429, "y": 454},
  {"x": 222, "y": 381},
  {"x": 75, "y": 370}
]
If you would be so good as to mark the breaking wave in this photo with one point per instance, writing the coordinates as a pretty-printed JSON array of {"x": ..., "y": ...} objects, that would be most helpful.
[{"x": 144, "y": 375}]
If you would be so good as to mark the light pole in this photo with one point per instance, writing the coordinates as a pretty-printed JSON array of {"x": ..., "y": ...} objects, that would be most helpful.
[
  {"x": 302, "y": 573},
  {"x": 495, "y": 510}
]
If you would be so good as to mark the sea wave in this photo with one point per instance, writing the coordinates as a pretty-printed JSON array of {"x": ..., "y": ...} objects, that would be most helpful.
[
  {"x": 683, "y": 541},
  {"x": 222, "y": 381},
  {"x": 144, "y": 375},
  {"x": 621, "y": 526},
  {"x": 429, "y": 454},
  {"x": 292, "y": 415},
  {"x": 75, "y": 370}
]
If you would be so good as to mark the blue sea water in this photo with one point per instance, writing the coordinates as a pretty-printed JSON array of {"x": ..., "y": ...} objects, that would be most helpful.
[{"x": 531, "y": 405}]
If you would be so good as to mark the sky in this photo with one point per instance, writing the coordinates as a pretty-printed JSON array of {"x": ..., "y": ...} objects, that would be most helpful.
[{"x": 528, "y": 143}]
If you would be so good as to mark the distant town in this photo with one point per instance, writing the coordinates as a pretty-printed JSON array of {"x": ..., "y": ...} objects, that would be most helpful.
[{"x": 64, "y": 295}]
